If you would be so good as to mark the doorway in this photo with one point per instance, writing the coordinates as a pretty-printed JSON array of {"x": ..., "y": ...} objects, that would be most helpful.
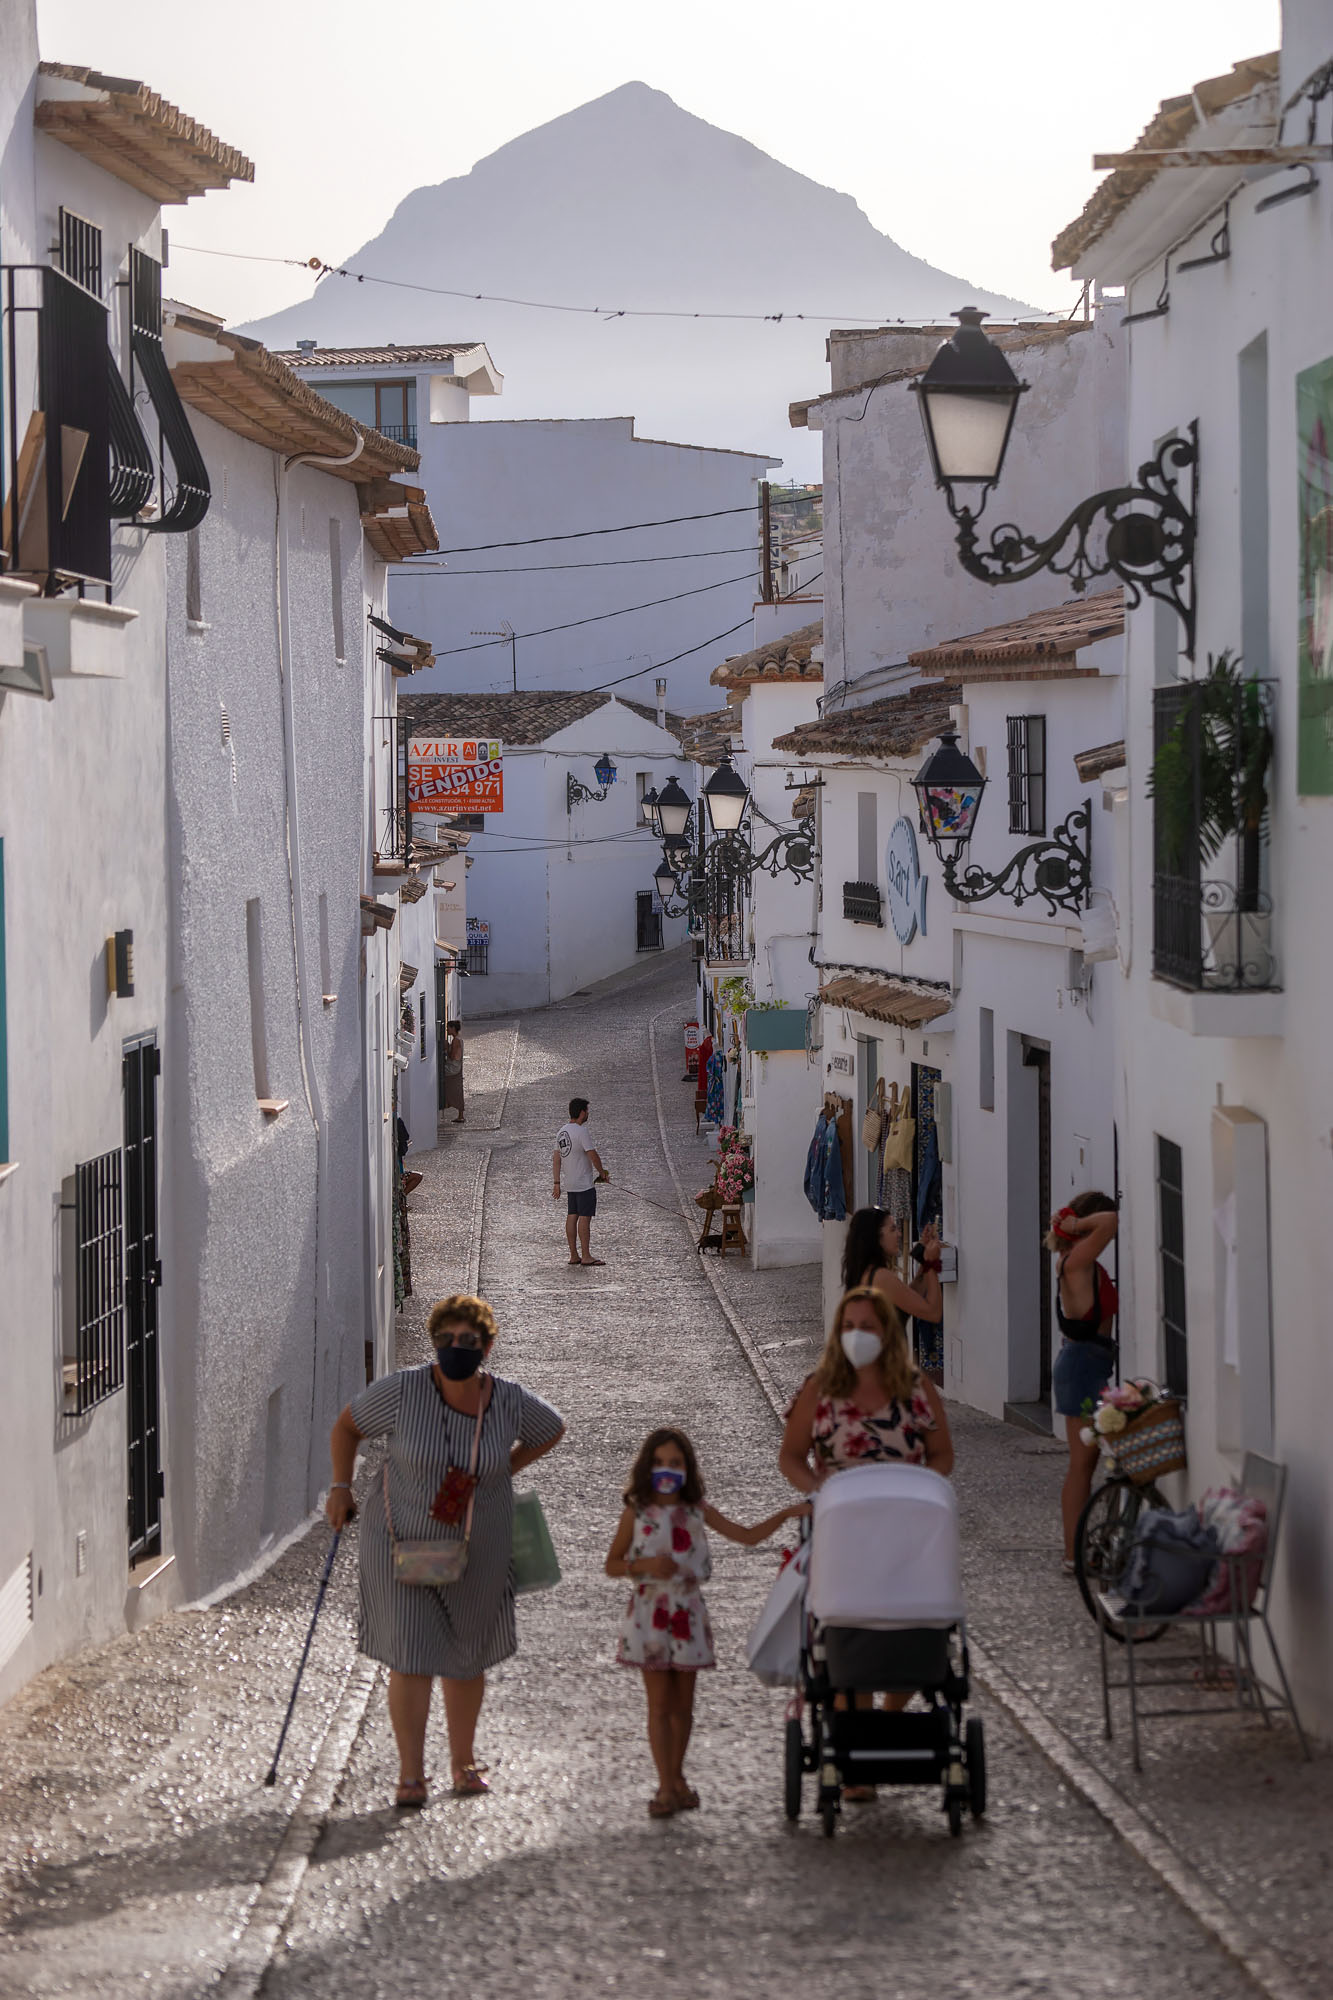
[
  {"x": 1028, "y": 1197},
  {"x": 141, "y": 1065}
]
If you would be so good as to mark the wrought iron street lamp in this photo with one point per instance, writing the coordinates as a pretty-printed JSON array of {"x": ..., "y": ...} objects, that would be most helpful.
[
  {"x": 1144, "y": 534},
  {"x": 949, "y": 787},
  {"x": 605, "y": 773},
  {"x": 673, "y": 810},
  {"x": 728, "y": 795}
]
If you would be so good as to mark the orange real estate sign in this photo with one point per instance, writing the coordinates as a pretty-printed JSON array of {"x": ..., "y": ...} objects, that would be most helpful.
[{"x": 455, "y": 774}]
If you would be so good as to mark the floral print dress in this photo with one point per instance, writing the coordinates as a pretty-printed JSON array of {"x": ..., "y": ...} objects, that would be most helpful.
[
  {"x": 666, "y": 1620},
  {"x": 843, "y": 1434}
]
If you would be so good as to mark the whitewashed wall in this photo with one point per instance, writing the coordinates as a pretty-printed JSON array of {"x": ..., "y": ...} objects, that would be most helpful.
[
  {"x": 82, "y": 782},
  {"x": 497, "y": 481}
]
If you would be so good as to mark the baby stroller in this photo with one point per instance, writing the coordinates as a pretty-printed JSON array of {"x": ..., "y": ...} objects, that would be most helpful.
[{"x": 884, "y": 1611}]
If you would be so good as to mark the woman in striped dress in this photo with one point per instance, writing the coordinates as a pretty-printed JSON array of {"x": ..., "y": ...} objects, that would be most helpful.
[{"x": 430, "y": 1416}]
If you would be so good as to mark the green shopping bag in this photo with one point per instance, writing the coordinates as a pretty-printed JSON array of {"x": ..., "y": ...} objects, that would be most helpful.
[{"x": 535, "y": 1563}]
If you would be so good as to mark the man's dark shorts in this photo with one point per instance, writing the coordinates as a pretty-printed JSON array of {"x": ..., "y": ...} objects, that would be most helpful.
[{"x": 584, "y": 1203}]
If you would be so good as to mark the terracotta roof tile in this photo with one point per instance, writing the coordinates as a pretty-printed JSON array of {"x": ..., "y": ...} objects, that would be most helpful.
[
  {"x": 894, "y": 727},
  {"x": 250, "y": 391},
  {"x": 706, "y": 739},
  {"x": 1042, "y": 646},
  {"x": 899, "y": 1001},
  {"x": 1175, "y": 120},
  {"x": 783, "y": 659},
  {"x": 128, "y": 130},
  {"x": 530, "y": 716},
  {"x": 373, "y": 357}
]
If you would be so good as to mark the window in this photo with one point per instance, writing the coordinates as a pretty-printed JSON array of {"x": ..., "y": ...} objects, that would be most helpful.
[
  {"x": 1027, "y": 773},
  {"x": 254, "y": 954},
  {"x": 647, "y": 922},
  {"x": 987, "y": 1058},
  {"x": 81, "y": 251},
  {"x": 387, "y": 407},
  {"x": 1171, "y": 1265},
  {"x": 194, "y": 588},
  {"x": 97, "y": 1367},
  {"x": 421, "y": 1021},
  {"x": 867, "y": 837},
  {"x": 479, "y": 956},
  {"x": 643, "y": 784}
]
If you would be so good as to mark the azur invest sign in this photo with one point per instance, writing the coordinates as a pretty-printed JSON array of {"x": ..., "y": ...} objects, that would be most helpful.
[{"x": 907, "y": 885}]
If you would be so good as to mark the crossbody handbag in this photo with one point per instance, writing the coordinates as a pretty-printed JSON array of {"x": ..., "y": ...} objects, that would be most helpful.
[{"x": 434, "y": 1564}]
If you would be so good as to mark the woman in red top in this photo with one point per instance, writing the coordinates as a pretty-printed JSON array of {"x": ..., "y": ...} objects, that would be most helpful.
[{"x": 1085, "y": 1308}]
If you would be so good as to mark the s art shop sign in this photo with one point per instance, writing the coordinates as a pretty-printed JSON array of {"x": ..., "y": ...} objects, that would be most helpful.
[{"x": 907, "y": 885}]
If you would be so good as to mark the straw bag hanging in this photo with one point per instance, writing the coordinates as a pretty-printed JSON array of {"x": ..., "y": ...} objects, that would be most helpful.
[
  {"x": 1151, "y": 1444},
  {"x": 901, "y": 1140},
  {"x": 434, "y": 1564},
  {"x": 872, "y": 1125}
]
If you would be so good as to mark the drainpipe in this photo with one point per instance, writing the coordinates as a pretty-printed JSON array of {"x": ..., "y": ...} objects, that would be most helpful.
[{"x": 292, "y": 819}]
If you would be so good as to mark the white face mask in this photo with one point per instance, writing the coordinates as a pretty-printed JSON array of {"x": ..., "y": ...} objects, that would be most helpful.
[{"x": 860, "y": 1345}]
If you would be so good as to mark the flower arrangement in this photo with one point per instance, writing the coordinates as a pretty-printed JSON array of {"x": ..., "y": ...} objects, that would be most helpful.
[
  {"x": 735, "y": 1169},
  {"x": 1116, "y": 1408}
]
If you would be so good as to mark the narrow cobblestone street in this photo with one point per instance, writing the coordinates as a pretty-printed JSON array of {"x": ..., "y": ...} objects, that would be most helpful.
[{"x": 135, "y": 1832}]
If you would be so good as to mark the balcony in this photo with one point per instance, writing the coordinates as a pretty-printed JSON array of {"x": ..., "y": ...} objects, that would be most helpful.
[
  {"x": 399, "y": 433},
  {"x": 862, "y": 903},
  {"x": 1212, "y": 911}
]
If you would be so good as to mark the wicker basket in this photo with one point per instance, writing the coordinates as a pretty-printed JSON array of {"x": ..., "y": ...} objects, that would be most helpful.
[{"x": 1151, "y": 1445}]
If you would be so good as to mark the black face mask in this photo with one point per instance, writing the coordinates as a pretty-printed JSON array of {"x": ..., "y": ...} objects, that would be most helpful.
[{"x": 458, "y": 1363}]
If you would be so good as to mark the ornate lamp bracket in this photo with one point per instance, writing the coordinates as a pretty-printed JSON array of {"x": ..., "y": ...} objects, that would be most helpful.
[
  {"x": 577, "y": 794},
  {"x": 1058, "y": 870},
  {"x": 1144, "y": 534}
]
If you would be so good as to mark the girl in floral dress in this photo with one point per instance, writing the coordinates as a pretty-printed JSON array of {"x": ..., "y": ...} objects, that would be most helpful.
[{"x": 661, "y": 1544}]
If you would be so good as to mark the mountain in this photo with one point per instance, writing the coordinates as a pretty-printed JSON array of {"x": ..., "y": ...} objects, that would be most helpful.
[{"x": 630, "y": 201}]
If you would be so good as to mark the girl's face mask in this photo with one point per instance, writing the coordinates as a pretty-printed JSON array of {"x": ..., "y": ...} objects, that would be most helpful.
[
  {"x": 667, "y": 1480},
  {"x": 860, "y": 1345},
  {"x": 458, "y": 1363}
]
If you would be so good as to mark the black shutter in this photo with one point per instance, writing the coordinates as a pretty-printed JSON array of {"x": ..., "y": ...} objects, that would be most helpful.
[{"x": 188, "y": 502}]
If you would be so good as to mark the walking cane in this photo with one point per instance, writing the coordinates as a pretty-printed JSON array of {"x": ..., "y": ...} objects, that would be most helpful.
[{"x": 272, "y": 1777}]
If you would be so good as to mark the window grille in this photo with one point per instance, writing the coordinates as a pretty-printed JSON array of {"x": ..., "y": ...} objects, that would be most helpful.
[
  {"x": 1171, "y": 1265},
  {"x": 187, "y": 503},
  {"x": 862, "y": 903},
  {"x": 1027, "y": 773},
  {"x": 59, "y": 456},
  {"x": 479, "y": 956},
  {"x": 81, "y": 251},
  {"x": 99, "y": 1282}
]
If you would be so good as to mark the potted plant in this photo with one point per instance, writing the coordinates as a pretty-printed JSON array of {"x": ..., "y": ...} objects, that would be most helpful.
[{"x": 1209, "y": 784}]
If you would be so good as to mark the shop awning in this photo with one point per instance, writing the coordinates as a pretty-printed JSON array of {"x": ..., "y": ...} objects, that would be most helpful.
[{"x": 897, "y": 1001}]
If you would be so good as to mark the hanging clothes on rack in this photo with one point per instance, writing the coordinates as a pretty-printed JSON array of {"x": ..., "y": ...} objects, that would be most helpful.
[
  {"x": 895, "y": 1170},
  {"x": 716, "y": 1109},
  {"x": 824, "y": 1182}
]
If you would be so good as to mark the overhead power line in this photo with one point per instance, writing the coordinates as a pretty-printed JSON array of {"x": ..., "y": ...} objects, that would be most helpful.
[
  {"x": 582, "y": 534},
  {"x": 451, "y": 652},
  {"x": 323, "y": 270},
  {"x": 656, "y": 666},
  {"x": 535, "y": 569}
]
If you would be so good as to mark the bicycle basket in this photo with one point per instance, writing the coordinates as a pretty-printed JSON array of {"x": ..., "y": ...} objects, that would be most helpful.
[{"x": 1151, "y": 1444}]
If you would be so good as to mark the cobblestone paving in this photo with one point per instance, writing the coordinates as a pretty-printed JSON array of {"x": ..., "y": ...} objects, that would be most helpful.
[{"x": 134, "y": 1830}]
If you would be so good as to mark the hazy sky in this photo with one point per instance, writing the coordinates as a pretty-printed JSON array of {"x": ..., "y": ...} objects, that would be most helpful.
[{"x": 964, "y": 130}]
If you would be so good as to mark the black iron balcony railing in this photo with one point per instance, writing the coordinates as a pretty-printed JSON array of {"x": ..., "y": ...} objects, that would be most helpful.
[
  {"x": 862, "y": 903},
  {"x": 400, "y": 433},
  {"x": 393, "y": 825},
  {"x": 185, "y": 497},
  {"x": 57, "y": 519},
  {"x": 1212, "y": 910}
]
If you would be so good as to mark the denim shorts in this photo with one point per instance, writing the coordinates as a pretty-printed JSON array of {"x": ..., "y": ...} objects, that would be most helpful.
[
  {"x": 584, "y": 1203},
  {"x": 1082, "y": 1369}
]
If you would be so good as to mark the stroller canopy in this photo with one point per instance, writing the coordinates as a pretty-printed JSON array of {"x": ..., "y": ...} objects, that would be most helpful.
[{"x": 885, "y": 1551}]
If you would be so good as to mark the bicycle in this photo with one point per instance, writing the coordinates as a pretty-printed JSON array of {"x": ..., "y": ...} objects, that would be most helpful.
[{"x": 1104, "y": 1538}]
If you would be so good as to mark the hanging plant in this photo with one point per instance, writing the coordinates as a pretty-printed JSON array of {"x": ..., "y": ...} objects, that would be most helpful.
[{"x": 1209, "y": 778}]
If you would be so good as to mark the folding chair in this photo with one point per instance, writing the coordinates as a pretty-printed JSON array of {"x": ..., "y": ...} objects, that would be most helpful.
[{"x": 1261, "y": 1479}]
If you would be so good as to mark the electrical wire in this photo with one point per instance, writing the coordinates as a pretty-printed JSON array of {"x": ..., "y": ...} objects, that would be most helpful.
[
  {"x": 452, "y": 652},
  {"x": 324, "y": 270},
  {"x": 582, "y": 534},
  {"x": 656, "y": 666},
  {"x": 609, "y": 562}
]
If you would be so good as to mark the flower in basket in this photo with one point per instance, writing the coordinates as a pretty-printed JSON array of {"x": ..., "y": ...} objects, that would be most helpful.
[{"x": 1109, "y": 1419}]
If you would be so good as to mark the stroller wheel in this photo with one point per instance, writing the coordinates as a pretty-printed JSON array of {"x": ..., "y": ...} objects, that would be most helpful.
[
  {"x": 795, "y": 1760},
  {"x": 953, "y": 1805},
  {"x": 976, "y": 1766},
  {"x": 828, "y": 1813}
]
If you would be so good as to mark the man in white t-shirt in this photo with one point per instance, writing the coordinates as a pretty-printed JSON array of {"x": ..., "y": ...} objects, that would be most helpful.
[{"x": 581, "y": 1165}]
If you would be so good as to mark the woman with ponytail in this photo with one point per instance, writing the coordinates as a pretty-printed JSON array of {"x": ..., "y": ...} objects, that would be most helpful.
[{"x": 1085, "y": 1308}]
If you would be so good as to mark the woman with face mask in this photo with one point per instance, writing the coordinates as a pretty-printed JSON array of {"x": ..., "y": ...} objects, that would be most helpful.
[
  {"x": 866, "y": 1400},
  {"x": 456, "y": 1436}
]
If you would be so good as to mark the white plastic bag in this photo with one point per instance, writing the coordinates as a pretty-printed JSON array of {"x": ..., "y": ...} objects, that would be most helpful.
[
  {"x": 1100, "y": 933},
  {"x": 773, "y": 1650}
]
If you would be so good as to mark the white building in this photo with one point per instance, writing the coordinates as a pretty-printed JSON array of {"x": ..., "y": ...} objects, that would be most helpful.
[
  {"x": 560, "y": 892},
  {"x": 85, "y": 930},
  {"x": 279, "y": 1163},
  {"x": 1225, "y": 1084},
  {"x": 600, "y": 552}
]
